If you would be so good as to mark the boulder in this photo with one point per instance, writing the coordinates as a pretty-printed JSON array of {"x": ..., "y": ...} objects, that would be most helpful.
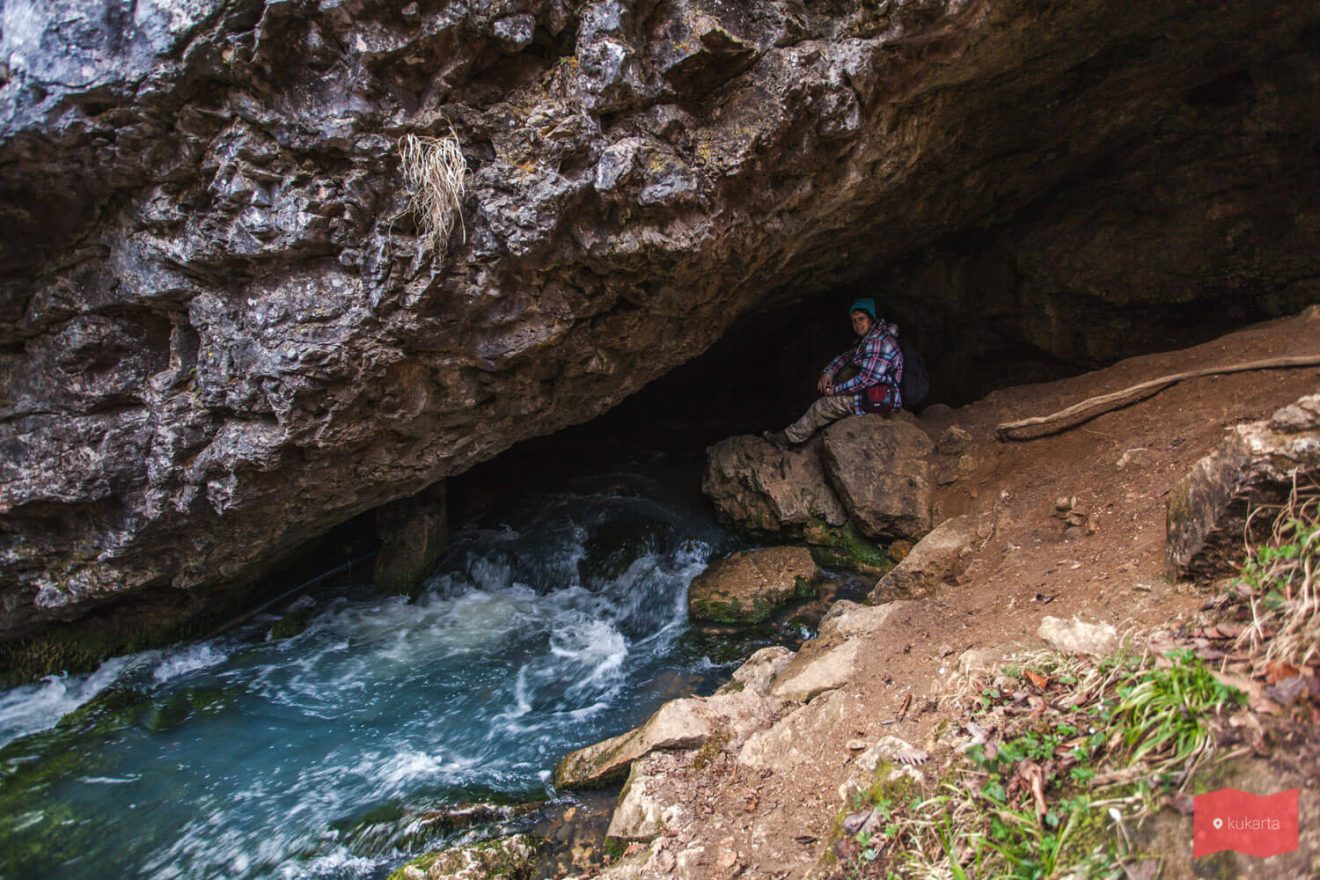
[
  {"x": 1079, "y": 637},
  {"x": 509, "y": 858},
  {"x": 812, "y": 674},
  {"x": 764, "y": 490},
  {"x": 879, "y": 469},
  {"x": 1255, "y": 464},
  {"x": 414, "y": 534},
  {"x": 678, "y": 724},
  {"x": 747, "y": 586},
  {"x": 641, "y": 815},
  {"x": 741, "y": 706},
  {"x": 849, "y": 620},
  {"x": 225, "y": 331},
  {"x": 941, "y": 555}
]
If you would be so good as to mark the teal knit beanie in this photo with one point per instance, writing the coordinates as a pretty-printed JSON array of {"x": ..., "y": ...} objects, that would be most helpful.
[{"x": 863, "y": 305}]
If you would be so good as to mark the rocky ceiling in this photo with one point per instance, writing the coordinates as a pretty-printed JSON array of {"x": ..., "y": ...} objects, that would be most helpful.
[{"x": 221, "y": 333}]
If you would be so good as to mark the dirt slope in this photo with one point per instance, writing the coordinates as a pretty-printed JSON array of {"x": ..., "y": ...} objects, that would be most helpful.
[{"x": 1119, "y": 467}]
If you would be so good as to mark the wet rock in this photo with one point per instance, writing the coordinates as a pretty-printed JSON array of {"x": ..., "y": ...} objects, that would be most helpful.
[
  {"x": 614, "y": 546},
  {"x": 392, "y": 827},
  {"x": 512, "y": 858},
  {"x": 414, "y": 533},
  {"x": 940, "y": 556},
  {"x": 747, "y": 586},
  {"x": 765, "y": 490},
  {"x": 1256, "y": 464},
  {"x": 1078, "y": 636},
  {"x": 878, "y": 467}
]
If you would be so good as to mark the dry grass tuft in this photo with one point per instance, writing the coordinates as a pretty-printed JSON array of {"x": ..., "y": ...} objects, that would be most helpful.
[
  {"x": 435, "y": 173},
  {"x": 1281, "y": 582}
]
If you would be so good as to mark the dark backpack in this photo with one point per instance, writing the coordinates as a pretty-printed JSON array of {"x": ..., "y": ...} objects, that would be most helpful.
[{"x": 916, "y": 381}]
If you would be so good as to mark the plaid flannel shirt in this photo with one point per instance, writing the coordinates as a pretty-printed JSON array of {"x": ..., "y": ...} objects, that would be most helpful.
[{"x": 878, "y": 361}]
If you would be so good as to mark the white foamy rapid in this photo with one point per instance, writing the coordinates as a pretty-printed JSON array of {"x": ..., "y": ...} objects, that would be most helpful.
[
  {"x": 255, "y": 758},
  {"x": 31, "y": 708}
]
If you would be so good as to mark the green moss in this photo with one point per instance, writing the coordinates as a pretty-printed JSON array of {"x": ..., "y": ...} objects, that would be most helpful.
[
  {"x": 846, "y": 548},
  {"x": 291, "y": 624},
  {"x": 511, "y": 858},
  {"x": 710, "y": 750},
  {"x": 592, "y": 777},
  {"x": 83, "y": 645},
  {"x": 421, "y": 863},
  {"x": 614, "y": 848},
  {"x": 731, "y": 687},
  {"x": 731, "y": 610}
]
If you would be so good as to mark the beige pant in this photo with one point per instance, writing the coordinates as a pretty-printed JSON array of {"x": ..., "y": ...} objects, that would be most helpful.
[{"x": 824, "y": 411}]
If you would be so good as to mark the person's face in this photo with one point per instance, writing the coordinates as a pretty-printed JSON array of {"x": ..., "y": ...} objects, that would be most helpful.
[{"x": 861, "y": 322}]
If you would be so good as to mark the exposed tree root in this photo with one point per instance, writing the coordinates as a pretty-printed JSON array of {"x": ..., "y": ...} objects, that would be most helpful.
[{"x": 1080, "y": 413}]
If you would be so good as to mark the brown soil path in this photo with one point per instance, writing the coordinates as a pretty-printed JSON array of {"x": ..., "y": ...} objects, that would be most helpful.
[{"x": 1119, "y": 467}]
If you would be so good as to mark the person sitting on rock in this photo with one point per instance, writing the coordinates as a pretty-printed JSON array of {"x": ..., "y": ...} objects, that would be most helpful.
[{"x": 874, "y": 387}]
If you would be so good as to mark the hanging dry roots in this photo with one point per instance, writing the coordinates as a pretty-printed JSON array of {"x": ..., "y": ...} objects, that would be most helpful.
[{"x": 435, "y": 174}]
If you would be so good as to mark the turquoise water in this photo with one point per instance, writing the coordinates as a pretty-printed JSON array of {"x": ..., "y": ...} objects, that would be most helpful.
[{"x": 547, "y": 628}]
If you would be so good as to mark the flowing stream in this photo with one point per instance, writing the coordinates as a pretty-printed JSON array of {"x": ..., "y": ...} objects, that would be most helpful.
[{"x": 548, "y": 627}]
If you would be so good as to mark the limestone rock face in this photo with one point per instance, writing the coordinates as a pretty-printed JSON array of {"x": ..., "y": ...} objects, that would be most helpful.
[
  {"x": 1255, "y": 464},
  {"x": 222, "y": 332},
  {"x": 879, "y": 467},
  {"x": 939, "y": 556},
  {"x": 765, "y": 490},
  {"x": 747, "y": 586},
  {"x": 678, "y": 724},
  {"x": 414, "y": 534}
]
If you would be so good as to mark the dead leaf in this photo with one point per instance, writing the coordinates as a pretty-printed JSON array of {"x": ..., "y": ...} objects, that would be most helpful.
[
  {"x": 1286, "y": 692},
  {"x": 1275, "y": 670},
  {"x": 1040, "y": 681},
  {"x": 1033, "y": 778}
]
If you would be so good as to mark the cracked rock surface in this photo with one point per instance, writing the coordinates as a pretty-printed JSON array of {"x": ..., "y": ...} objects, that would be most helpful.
[{"x": 219, "y": 336}]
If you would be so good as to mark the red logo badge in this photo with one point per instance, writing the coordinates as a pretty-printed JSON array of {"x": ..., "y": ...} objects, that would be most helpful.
[{"x": 1257, "y": 825}]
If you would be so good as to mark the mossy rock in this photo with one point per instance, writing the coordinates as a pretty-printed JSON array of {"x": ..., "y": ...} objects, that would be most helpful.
[
  {"x": 394, "y": 826},
  {"x": 505, "y": 858},
  {"x": 292, "y": 624},
  {"x": 846, "y": 548},
  {"x": 614, "y": 546},
  {"x": 748, "y": 586}
]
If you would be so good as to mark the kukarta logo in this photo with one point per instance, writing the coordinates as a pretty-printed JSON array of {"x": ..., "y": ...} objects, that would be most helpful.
[{"x": 1254, "y": 824}]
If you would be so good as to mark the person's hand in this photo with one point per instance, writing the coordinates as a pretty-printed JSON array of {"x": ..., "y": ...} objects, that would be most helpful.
[{"x": 825, "y": 385}]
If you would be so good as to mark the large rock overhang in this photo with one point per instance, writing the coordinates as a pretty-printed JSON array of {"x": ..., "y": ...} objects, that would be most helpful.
[{"x": 220, "y": 337}]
